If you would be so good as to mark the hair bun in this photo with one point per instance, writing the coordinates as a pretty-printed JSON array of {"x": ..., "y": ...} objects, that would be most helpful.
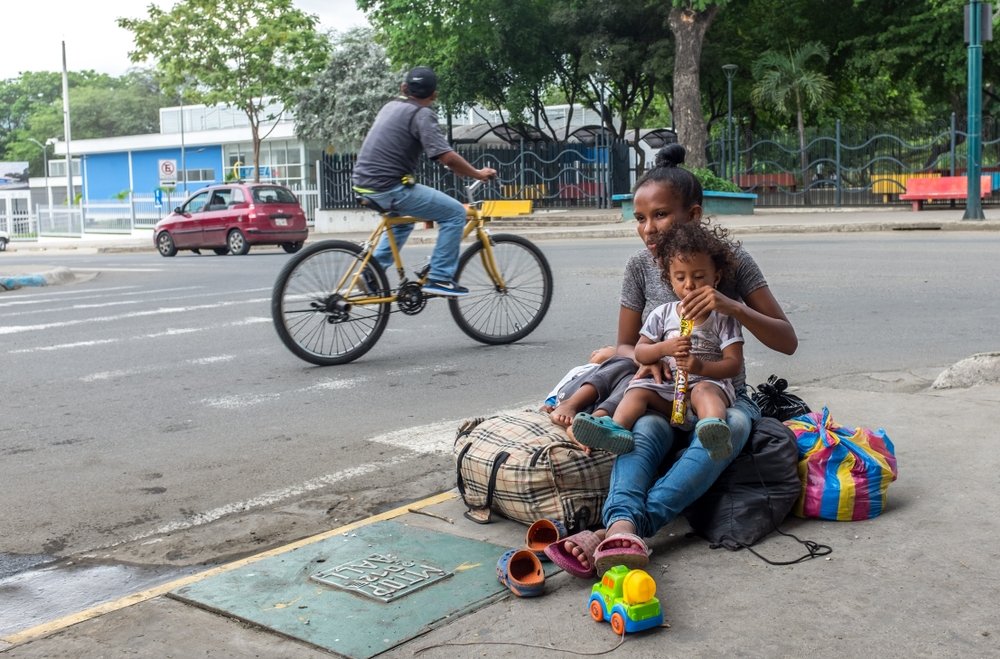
[{"x": 670, "y": 155}]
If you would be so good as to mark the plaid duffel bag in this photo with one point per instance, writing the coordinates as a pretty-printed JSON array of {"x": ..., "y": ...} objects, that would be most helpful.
[{"x": 524, "y": 467}]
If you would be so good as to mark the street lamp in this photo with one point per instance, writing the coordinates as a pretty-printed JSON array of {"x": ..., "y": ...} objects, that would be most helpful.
[
  {"x": 45, "y": 164},
  {"x": 730, "y": 71}
]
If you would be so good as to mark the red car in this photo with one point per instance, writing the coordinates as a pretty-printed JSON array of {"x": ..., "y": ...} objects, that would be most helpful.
[{"x": 231, "y": 218}]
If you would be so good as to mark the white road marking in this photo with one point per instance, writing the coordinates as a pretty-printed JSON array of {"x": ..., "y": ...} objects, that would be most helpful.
[
  {"x": 431, "y": 438},
  {"x": 270, "y": 498},
  {"x": 16, "y": 329},
  {"x": 66, "y": 346}
]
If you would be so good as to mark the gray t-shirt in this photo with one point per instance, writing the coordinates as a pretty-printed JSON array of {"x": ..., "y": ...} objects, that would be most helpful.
[
  {"x": 643, "y": 289},
  {"x": 391, "y": 150}
]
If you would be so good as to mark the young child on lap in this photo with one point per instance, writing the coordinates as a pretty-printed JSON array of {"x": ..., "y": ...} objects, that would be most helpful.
[
  {"x": 691, "y": 257},
  {"x": 556, "y": 402}
]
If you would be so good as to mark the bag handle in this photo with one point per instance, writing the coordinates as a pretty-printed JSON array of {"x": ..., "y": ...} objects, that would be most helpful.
[{"x": 490, "y": 488}]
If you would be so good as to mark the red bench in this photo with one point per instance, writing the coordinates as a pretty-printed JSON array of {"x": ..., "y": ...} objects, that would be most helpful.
[{"x": 919, "y": 190}]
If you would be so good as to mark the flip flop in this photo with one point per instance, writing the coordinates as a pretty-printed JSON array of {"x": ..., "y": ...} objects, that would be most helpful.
[
  {"x": 543, "y": 533},
  {"x": 714, "y": 434},
  {"x": 561, "y": 556},
  {"x": 633, "y": 557},
  {"x": 602, "y": 432},
  {"x": 521, "y": 572}
]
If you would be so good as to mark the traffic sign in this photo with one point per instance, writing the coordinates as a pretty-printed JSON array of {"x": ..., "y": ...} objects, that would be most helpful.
[{"x": 168, "y": 172}]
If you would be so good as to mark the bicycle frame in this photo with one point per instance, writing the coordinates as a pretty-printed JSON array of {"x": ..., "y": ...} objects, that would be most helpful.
[{"x": 475, "y": 223}]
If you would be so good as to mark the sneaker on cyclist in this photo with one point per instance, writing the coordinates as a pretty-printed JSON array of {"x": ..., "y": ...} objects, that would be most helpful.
[{"x": 444, "y": 288}]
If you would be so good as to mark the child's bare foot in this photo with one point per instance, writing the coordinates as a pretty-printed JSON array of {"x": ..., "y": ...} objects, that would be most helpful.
[{"x": 563, "y": 414}]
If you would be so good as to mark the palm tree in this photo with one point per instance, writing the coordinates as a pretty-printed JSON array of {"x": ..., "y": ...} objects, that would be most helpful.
[{"x": 785, "y": 82}]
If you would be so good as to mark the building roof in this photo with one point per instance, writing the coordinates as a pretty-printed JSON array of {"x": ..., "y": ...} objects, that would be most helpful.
[{"x": 284, "y": 130}]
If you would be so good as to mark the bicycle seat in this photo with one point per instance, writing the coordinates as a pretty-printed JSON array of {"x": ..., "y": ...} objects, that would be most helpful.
[{"x": 370, "y": 203}]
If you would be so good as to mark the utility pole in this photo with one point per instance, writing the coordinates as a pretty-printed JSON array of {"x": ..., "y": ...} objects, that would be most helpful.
[{"x": 975, "y": 34}]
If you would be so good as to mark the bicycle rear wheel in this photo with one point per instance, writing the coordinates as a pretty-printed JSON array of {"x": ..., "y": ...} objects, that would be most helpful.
[
  {"x": 316, "y": 316},
  {"x": 494, "y": 315}
]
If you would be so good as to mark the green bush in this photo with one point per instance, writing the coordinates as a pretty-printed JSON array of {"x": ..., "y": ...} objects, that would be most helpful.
[{"x": 709, "y": 181}]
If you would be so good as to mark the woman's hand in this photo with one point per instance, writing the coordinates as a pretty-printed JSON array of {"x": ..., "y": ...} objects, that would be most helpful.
[
  {"x": 654, "y": 370},
  {"x": 699, "y": 302}
]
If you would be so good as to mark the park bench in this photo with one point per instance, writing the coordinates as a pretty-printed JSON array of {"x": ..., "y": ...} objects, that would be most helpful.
[{"x": 919, "y": 190}]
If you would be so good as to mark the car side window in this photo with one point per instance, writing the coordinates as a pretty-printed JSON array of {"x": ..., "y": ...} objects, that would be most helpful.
[
  {"x": 238, "y": 197},
  {"x": 197, "y": 203},
  {"x": 220, "y": 199}
]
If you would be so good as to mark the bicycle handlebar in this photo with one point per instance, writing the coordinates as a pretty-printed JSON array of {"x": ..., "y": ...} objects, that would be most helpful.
[{"x": 470, "y": 190}]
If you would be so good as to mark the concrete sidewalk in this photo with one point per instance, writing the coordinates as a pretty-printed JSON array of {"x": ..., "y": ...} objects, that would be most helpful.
[{"x": 920, "y": 580}]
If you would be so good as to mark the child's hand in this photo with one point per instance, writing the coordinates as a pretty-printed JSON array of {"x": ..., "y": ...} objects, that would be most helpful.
[
  {"x": 678, "y": 346},
  {"x": 689, "y": 363}
]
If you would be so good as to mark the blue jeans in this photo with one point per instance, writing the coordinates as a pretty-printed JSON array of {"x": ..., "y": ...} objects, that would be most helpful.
[
  {"x": 428, "y": 204},
  {"x": 650, "y": 502}
]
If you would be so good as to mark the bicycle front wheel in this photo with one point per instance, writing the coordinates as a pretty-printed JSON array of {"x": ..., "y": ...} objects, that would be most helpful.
[
  {"x": 315, "y": 311},
  {"x": 496, "y": 314}
]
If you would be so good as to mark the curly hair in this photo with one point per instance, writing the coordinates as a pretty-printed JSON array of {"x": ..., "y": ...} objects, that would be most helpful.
[{"x": 703, "y": 237}]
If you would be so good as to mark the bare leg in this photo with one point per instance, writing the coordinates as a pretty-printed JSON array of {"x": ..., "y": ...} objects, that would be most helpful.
[
  {"x": 564, "y": 412},
  {"x": 707, "y": 401}
]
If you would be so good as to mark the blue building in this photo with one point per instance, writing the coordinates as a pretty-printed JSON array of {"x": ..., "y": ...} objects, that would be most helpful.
[{"x": 196, "y": 146}]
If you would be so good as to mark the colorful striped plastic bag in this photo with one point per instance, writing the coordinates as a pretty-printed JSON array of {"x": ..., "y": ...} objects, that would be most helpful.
[{"x": 845, "y": 473}]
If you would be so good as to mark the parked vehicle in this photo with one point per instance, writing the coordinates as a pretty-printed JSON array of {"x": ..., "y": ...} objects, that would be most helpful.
[
  {"x": 4, "y": 239},
  {"x": 230, "y": 218}
]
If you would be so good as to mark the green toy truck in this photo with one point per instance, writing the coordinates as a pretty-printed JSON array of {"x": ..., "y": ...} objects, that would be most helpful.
[{"x": 626, "y": 599}]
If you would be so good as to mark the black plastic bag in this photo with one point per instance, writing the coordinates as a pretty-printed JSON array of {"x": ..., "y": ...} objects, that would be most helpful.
[{"x": 774, "y": 401}]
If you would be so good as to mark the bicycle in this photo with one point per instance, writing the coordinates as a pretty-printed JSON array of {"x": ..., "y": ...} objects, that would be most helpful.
[{"x": 331, "y": 302}]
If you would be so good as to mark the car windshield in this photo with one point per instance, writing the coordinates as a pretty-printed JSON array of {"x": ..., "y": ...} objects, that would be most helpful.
[{"x": 272, "y": 195}]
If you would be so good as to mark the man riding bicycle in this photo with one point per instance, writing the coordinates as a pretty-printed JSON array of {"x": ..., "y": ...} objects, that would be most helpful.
[{"x": 384, "y": 171}]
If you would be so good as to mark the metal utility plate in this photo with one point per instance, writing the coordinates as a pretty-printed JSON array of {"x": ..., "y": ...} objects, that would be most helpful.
[{"x": 282, "y": 592}]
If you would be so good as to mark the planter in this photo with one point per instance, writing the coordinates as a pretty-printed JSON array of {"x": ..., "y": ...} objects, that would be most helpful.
[
  {"x": 728, "y": 203},
  {"x": 714, "y": 203}
]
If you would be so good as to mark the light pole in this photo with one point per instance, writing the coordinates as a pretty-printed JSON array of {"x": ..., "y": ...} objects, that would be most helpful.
[
  {"x": 728, "y": 163},
  {"x": 978, "y": 28},
  {"x": 45, "y": 165}
]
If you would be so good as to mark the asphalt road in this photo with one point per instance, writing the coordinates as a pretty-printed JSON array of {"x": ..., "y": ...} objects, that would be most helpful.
[{"x": 150, "y": 414}]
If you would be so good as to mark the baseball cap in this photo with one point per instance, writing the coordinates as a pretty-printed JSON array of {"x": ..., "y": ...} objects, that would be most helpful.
[{"x": 421, "y": 82}]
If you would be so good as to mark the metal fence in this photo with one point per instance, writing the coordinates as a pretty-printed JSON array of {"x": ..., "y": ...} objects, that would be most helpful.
[
  {"x": 552, "y": 174},
  {"x": 851, "y": 166},
  {"x": 113, "y": 216}
]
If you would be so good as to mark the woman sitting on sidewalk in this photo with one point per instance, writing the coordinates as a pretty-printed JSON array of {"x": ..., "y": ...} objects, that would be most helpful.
[{"x": 640, "y": 501}]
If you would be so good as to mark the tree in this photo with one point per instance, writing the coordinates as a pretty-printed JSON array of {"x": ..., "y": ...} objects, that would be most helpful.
[
  {"x": 250, "y": 54},
  {"x": 340, "y": 105},
  {"x": 689, "y": 20},
  {"x": 100, "y": 105},
  {"x": 786, "y": 83}
]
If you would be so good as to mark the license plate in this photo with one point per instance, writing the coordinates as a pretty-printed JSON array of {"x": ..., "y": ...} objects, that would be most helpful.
[{"x": 281, "y": 222}]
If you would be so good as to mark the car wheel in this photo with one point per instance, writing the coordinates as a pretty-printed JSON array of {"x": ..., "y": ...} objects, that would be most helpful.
[
  {"x": 165, "y": 244},
  {"x": 3, "y": 245},
  {"x": 291, "y": 248},
  {"x": 238, "y": 243},
  {"x": 221, "y": 251}
]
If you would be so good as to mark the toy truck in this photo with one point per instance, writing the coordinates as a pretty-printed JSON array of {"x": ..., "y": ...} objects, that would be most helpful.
[{"x": 626, "y": 599}]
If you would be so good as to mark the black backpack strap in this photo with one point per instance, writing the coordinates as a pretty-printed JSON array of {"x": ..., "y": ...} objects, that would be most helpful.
[{"x": 490, "y": 491}]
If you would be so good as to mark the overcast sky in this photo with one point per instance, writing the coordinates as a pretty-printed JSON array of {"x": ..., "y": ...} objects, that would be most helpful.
[{"x": 32, "y": 32}]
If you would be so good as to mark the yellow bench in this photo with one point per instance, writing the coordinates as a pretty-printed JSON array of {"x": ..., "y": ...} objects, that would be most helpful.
[
  {"x": 506, "y": 207},
  {"x": 890, "y": 184}
]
